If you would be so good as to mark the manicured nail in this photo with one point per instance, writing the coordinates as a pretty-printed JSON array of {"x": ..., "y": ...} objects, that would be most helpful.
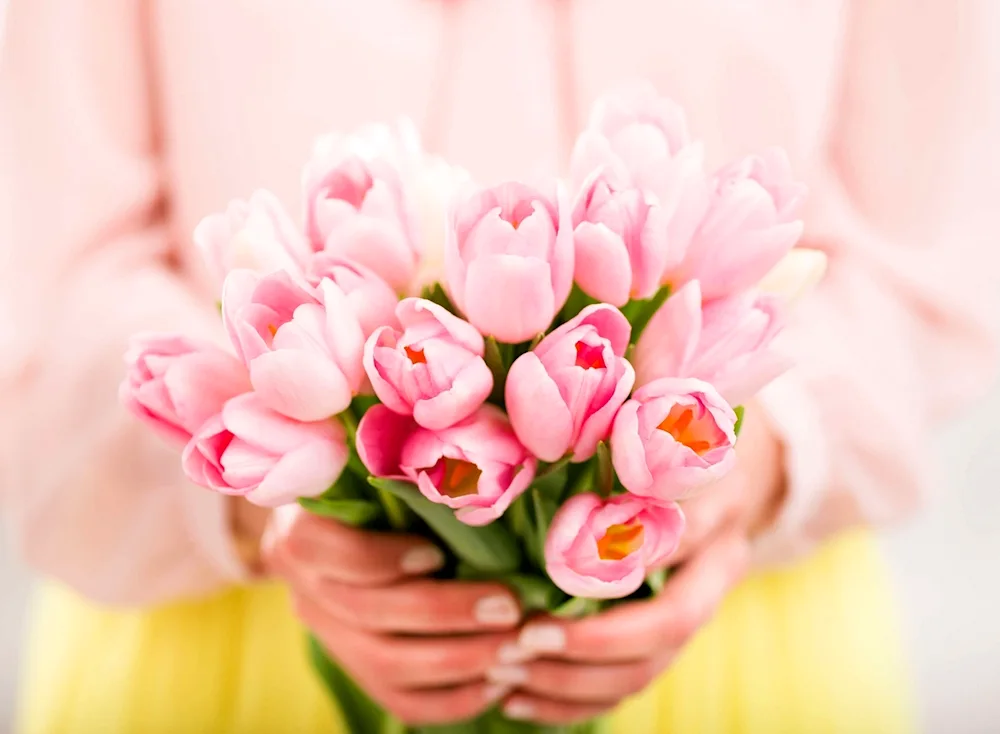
[
  {"x": 519, "y": 710},
  {"x": 511, "y": 675},
  {"x": 542, "y": 638},
  {"x": 422, "y": 559},
  {"x": 496, "y": 692},
  {"x": 500, "y": 610},
  {"x": 511, "y": 652}
]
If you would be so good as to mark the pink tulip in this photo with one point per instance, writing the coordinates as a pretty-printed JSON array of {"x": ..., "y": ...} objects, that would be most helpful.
[
  {"x": 620, "y": 240},
  {"x": 638, "y": 140},
  {"x": 433, "y": 369},
  {"x": 257, "y": 235},
  {"x": 254, "y": 452},
  {"x": 304, "y": 349},
  {"x": 509, "y": 260},
  {"x": 673, "y": 435},
  {"x": 749, "y": 226},
  {"x": 175, "y": 384},
  {"x": 562, "y": 397},
  {"x": 603, "y": 549},
  {"x": 476, "y": 467},
  {"x": 356, "y": 206},
  {"x": 727, "y": 342},
  {"x": 371, "y": 299}
]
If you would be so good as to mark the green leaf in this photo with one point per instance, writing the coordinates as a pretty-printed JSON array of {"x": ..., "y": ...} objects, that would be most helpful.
[
  {"x": 494, "y": 358},
  {"x": 543, "y": 510},
  {"x": 488, "y": 548},
  {"x": 577, "y": 301},
  {"x": 361, "y": 404},
  {"x": 656, "y": 579},
  {"x": 551, "y": 480},
  {"x": 640, "y": 312},
  {"x": 436, "y": 294},
  {"x": 350, "y": 512},
  {"x": 537, "y": 594},
  {"x": 605, "y": 471},
  {"x": 577, "y": 607},
  {"x": 358, "y": 711},
  {"x": 739, "y": 410}
]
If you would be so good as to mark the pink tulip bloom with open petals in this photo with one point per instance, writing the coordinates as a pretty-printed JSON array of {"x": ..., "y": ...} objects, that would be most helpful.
[
  {"x": 603, "y": 549},
  {"x": 563, "y": 395},
  {"x": 727, "y": 342},
  {"x": 304, "y": 349},
  {"x": 509, "y": 260},
  {"x": 476, "y": 467},
  {"x": 371, "y": 298},
  {"x": 673, "y": 436},
  {"x": 175, "y": 384},
  {"x": 252, "y": 451},
  {"x": 749, "y": 227},
  {"x": 357, "y": 207},
  {"x": 256, "y": 235},
  {"x": 433, "y": 369},
  {"x": 621, "y": 242}
]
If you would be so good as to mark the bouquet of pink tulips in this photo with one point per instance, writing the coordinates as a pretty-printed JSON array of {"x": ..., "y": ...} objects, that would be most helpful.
[{"x": 533, "y": 376}]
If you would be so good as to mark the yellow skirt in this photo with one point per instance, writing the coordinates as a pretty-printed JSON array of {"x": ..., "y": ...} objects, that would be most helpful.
[{"x": 805, "y": 650}]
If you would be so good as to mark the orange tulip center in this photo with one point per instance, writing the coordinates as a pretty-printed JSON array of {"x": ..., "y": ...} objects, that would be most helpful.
[
  {"x": 620, "y": 541},
  {"x": 273, "y": 329},
  {"x": 589, "y": 356},
  {"x": 460, "y": 478},
  {"x": 416, "y": 355},
  {"x": 695, "y": 433}
]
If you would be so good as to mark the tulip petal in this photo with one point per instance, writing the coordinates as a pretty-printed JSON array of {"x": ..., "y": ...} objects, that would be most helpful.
[
  {"x": 414, "y": 311},
  {"x": 597, "y": 425},
  {"x": 300, "y": 384},
  {"x": 306, "y": 472},
  {"x": 469, "y": 389},
  {"x": 380, "y": 440},
  {"x": 669, "y": 341},
  {"x": 509, "y": 297},
  {"x": 603, "y": 270},
  {"x": 628, "y": 455},
  {"x": 537, "y": 412}
]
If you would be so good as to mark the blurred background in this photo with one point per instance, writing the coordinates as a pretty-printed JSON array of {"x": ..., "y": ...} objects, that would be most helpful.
[{"x": 944, "y": 566}]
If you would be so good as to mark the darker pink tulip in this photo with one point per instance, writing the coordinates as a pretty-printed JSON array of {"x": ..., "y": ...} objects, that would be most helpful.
[
  {"x": 673, "y": 436},
  {"x": 176, "y": 384},
  {"x": 252, "y": 451},
  {"x": 750, "y": 225},
  {"x": 476, "y": 467},
  {"x": 509, "y": 260},
  {"x": 303, "y": 348},
  {"x": 433, "y": 369},
  {"x": 603, "y": 549},
  {"x": 563, "y": 395},
  {"x": 356, "y": 206},
  {"x": 620, "y": 238},
  {"x": 727, "y": 342},
  {"x": 255, "y": 235}
]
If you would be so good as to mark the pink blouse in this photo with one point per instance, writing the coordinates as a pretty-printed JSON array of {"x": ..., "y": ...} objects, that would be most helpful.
[{"x": 123, "y": 122}]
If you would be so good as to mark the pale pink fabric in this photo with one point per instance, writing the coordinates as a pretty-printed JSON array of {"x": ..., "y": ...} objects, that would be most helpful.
[{"x": 126, "y": 121}]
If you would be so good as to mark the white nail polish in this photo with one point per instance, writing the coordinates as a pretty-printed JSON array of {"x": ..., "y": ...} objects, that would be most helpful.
[
  {"x": 422, "y": 559},
  {"x": 499, "y": 610},
  {"x": 511, "y": 652},
  {"x": 519, "y": 710},
  {"x": 542, "y": 638},
  {"x": 511, "y": 675},
  {"x": 496, "y": 692}
]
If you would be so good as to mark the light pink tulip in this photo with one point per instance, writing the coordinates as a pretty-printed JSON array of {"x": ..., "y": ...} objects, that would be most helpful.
[
  {"x": 603, "y": 549},
  {"x": 509, "y": 260},
  {"x": 476, "y": 467},
  {"x": 356, "y": 206},
  {"x": 371, "y": 299},
  {"x": 175, "y": 384},
  {"x": 304, "y": 349},
  {"x": 620, "y": 240},
  {"x": 727, "y": 342},
  {"x": 673, "y": 436},
  {"x": 749, "y": 227},
  {"x": 563, "y": 395},
  {"x": 433, "y": 369},
  {"x": 257, "y": 235},
  {"x": 254, "y": 452}
]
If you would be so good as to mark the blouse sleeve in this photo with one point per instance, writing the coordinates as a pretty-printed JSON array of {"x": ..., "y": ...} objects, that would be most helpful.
[
  {"x": 899, "y": 334},
  {"x": 89, "y": 497}
]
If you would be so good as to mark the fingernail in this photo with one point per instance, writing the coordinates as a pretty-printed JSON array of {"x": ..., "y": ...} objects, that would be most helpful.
[
  {"x": 422, "y": 559},
  {"x": 282, "y": 518},
  {"x": 496, "y": 692},
  {"x": 520, "y": 710},
  {"x": 542, "y": 638},
  {"x": 512, "y": 675},
  {"x": 511, "y": 652},
  {"x": 497, "y": 610}
]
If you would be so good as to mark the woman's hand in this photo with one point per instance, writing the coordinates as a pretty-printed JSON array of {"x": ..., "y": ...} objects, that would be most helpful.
[
  {"x": 420, "y": 647},
  {"x": 588, "y": 666}
]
